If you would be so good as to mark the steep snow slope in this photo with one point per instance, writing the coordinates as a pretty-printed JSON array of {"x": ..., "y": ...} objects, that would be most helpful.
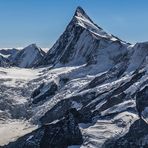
[{"x": 93, "y": 92}]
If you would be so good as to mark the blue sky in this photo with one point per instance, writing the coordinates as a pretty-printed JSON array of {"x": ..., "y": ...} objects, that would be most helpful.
[{"x": 23, "y": 22}]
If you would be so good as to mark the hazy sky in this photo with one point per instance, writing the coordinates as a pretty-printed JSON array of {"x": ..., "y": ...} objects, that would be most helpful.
[{"x": 23, "y": 22}]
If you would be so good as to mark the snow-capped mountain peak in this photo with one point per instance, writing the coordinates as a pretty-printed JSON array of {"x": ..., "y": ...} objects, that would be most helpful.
[
  {"x": 82, "y": 19},
  {"x": 80, "y": 42},
  {"x": 81, "y": 13},
  {"x": 92, "y": 93},
  {"x": 33, "y": 47},
  {"x": 28, "y": 56}
]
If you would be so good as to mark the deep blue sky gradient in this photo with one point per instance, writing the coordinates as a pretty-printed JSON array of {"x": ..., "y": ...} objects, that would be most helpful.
[{"x": 23, "y": 22}]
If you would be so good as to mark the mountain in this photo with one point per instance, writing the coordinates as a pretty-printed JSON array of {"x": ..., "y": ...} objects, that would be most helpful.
[
  {"x": 82, "y": 42},
  {"x": 5, "y": 55},
  {"x": 4, "y": 62},
  {"x": 90, "y": 91},
  {"x": 28, "y": 56},
  {"x": 24, "y": 58},
  {"x": 8, "y": 52}
]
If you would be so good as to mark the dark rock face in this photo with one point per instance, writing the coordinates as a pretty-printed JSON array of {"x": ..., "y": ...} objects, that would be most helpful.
[
  {"x": 37, "y": 91},
  {"x": 61, "y": 108},
  {"x": 64, "y": 133},
  {"x": 61, "y": 44},
  {"x": 141, "y": 100},
  {"x": 38, "y": 96},
  {"x": 112, "y": 73}
]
